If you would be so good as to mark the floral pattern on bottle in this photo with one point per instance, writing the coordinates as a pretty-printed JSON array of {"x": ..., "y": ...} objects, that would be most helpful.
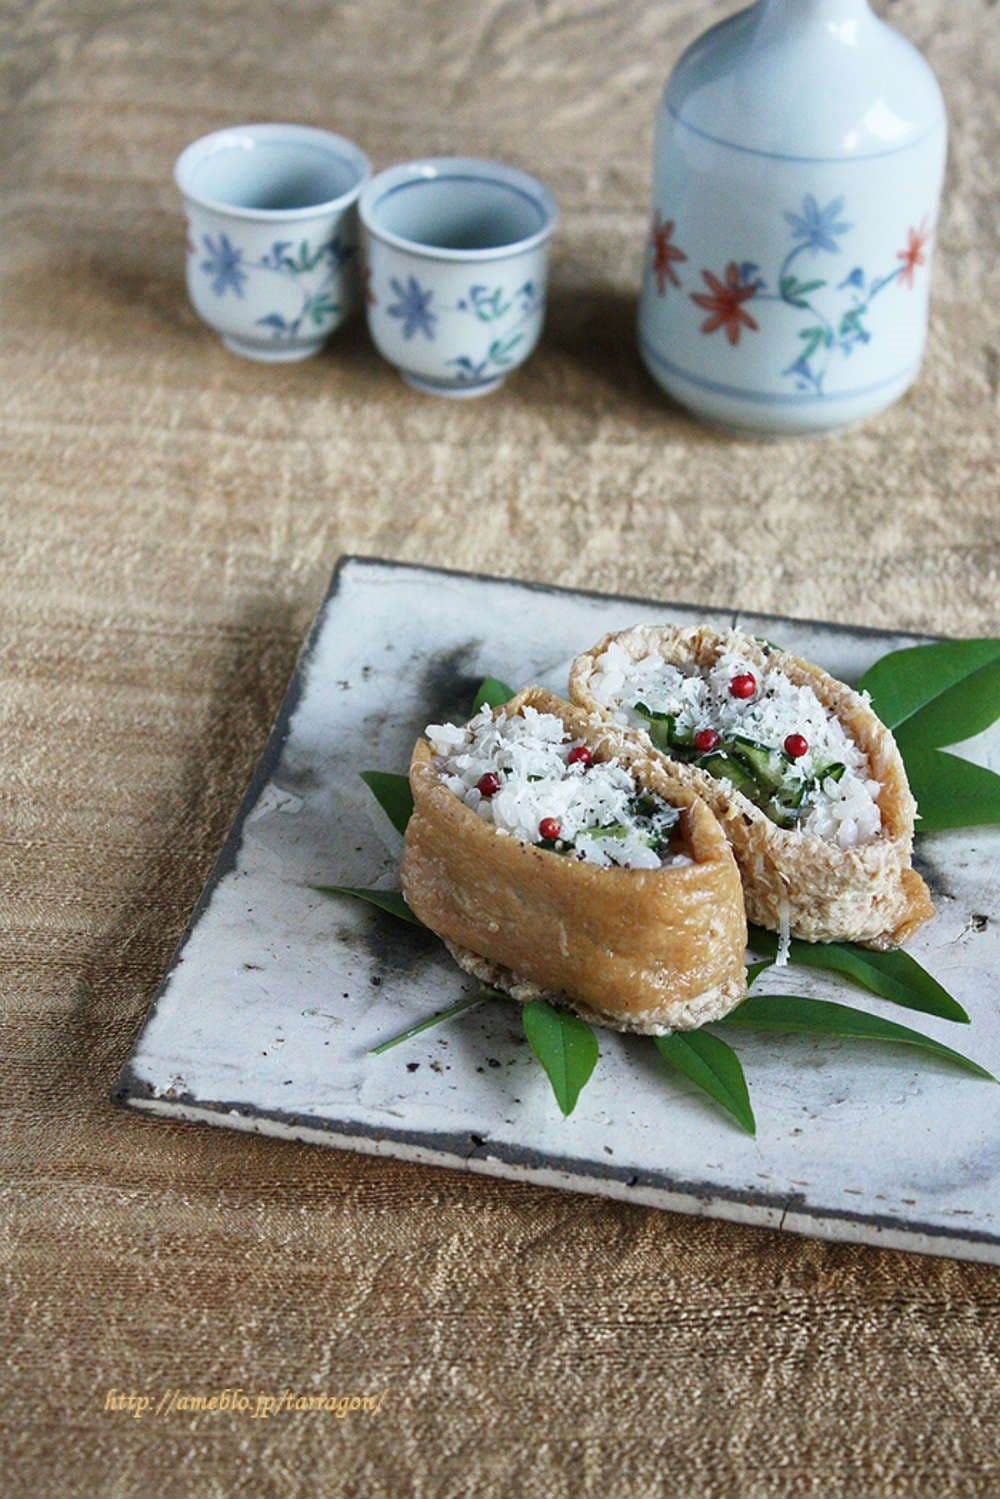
[
  {"x": 665, "y": 254},
  {"x": 829, "y": 332}
]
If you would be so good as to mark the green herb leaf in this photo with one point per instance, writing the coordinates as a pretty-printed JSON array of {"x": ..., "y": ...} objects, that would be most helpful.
[
  {"x": 714, "y": 1067},
  {"x": 892, "y": 975},
  {"x": 961, "y": 711},
  {"x": 566, "y": 1047},
  {"x": 393, "y": 795},
  {"x": 951, "y": 792},
  {"x": 943, "y": 693},
  {"x": 424, "y": 1025},
  {"x": 791, "y": 1013},
  {"x": 386, "y": 900},
  {"x": 492, "y": 693}
]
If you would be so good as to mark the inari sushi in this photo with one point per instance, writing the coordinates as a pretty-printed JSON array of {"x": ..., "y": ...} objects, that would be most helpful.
[
  {"x": 558, "y": 861},
  {"x": 807, "y": 783}
]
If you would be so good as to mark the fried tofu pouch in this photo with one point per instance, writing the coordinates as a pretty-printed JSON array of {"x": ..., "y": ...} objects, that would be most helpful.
[
  {"x": 647, "y": 950},
  {"x": 868, "y": 894}
]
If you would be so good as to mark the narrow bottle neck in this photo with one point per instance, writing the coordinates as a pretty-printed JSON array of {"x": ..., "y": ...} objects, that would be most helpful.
[{"x": 845, "y": 17}]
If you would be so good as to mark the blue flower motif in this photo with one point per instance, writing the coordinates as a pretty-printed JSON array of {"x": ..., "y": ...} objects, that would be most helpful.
[
  {"x": 856, "y": 278},
  {"x": 413, "y": 307},
  {"x": 805, "y": 376},
  {"x": 338, "y": 253},
  {"x": 224, "y": 265},
  {"x": 818, "y": 227}
]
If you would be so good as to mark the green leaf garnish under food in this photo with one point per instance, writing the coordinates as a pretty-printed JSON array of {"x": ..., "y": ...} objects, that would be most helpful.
[
  {"x": 892, "y": 975},
  {"x": 951, "y": 792},
  {"x": 436, "y": 1019},
  {"x": 714, "y": 1067},
  {"x": 386, "y": 900},
  {"x": 961, "y": 711},
  {"x": 566, "y": 1047},
  {"x": 792, "y": 1013},
  {"x": 492, "y": 693},
  {"x": 942, "y": 693},
  {"x": 754, "y": 970},
  {"x": 393, "y": 794}
]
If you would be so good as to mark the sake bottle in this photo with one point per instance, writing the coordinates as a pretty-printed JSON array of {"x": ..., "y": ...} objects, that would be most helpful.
[{"x": 799, "y": 155}]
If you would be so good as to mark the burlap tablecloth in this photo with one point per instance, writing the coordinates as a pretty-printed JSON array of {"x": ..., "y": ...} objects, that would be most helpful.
[{"x": 170, "y": 518}]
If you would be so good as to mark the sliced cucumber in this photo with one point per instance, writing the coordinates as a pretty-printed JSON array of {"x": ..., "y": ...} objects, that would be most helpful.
[
  {"x": 663, "y": 730},
  {"x": 660, "y": 732},
  {"x": 793, "y": 797},
  {"x": 788, "y": 805},
  {"x": 785, "y": 811},
  {"x": 725, "y": 767},
  {"x": 661, "y": 727},
  {"x": 609, "y": 830},
  {"x": 769, "y": 767},
  {"x": 756, "y": 770},
  {"x": 782, "y": 817}
]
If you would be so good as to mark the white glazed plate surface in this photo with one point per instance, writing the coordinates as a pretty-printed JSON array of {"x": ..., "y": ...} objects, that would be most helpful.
[{"x": 276, "y": 995}]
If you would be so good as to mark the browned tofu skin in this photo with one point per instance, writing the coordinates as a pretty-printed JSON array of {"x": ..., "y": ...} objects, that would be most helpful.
[{"x": 637, "y": 949}]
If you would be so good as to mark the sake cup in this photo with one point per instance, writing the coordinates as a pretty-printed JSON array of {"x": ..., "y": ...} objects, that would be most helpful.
[
  {"x": 456, "y": 254},
  {"x": 272, "y": 262}
]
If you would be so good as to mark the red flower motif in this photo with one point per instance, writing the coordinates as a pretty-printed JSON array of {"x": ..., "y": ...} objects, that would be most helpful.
[
  {"x": 913, "y": 255},
  {"x": 726, "y": 303},
  {"x": 664, "y": 253}
]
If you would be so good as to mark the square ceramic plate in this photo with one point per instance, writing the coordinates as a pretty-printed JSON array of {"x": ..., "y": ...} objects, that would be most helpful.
[{"x": 276, "y": 995}]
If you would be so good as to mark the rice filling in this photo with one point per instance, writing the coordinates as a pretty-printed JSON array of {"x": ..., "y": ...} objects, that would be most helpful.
[
  {"x": 826, "y": 791},
  {"x": 602, "y": 816}
]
